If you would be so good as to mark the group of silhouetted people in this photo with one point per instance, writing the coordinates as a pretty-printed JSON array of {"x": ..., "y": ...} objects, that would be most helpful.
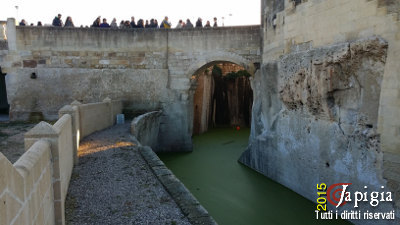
[{"x": 153, "y": 23}]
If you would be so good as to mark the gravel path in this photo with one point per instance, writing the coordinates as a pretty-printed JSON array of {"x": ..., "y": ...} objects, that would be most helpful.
[{"x": 113, "y": 185}]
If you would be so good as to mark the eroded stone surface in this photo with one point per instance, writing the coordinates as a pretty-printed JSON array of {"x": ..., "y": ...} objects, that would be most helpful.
[{"x": 317, "y": 121}]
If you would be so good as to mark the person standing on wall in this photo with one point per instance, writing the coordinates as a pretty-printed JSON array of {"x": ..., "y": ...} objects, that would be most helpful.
[
  {"x": 57, "y": 22},
  {"x": 179, "y": 25},
  {"x": 104, "y": 24},
  {"x": 215, "y": 22},
  {"x": 165, "y": 23},
  {"x": 22, "y": 23},
  {"x": 140, "y": 23},
  {"x": 114, "y": 23},
  {"x": 188, "y": 24},
  {"x": 147, "y": 24},
  {"x": 68, "y": 22},
  {"x": 199, "y": 23},
  {"x": 133, "y": 23},
  {"x": 96, "y": 23}
]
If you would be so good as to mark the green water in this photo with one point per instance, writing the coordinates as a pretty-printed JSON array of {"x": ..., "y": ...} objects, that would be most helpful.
[{"x": 233, "y": 193}]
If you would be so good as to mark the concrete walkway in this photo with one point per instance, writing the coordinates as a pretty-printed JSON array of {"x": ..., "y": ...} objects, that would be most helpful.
[{"x": 113, "y": 185}]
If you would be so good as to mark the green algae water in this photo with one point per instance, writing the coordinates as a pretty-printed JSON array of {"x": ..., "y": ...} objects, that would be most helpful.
[{"x": 231, "y": 192}]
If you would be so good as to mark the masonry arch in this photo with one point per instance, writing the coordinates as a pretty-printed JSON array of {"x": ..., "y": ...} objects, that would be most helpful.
[
  {"x": 220, "y": 100},
  {"x": 212, "y": 58}
]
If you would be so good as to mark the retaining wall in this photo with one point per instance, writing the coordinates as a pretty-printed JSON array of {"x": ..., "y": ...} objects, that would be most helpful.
[
  {"x": 326, "y": 98},
  {"x": 146, "y": 128},
  {"x": 33, "y": 190}
]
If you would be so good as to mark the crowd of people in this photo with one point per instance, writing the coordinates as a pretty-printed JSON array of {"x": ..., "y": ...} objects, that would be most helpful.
[{"x": 153, "y": 23}]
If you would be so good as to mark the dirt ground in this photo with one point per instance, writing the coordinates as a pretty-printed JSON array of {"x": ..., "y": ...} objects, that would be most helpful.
[{"x": 12, "y": 139}]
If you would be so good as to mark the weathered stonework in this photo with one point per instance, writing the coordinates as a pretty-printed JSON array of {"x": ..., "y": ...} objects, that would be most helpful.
[
  {"x": 189, "y": 205},
  {"x": 326, "y": 95},
  {"x": 145, "y": 129},
  {"x": 147, "y": 69}
]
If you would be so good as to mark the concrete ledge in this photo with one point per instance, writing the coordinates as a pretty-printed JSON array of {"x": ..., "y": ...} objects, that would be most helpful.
[{"x": 189, "y": 205}]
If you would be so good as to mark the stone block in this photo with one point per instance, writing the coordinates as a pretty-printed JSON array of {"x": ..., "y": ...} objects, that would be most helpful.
[
  {"x": 104, "y": 62},
  {"x": 57, "y": 190},
  {"x": 40, "y": 216},
  {"x": 29, "y": 63},
  {"x": 3, "y": 172},
  {"x": 42, "y": 61},
  {"x": 41, "y": 130},
  {"x": 122, "y": 62},
  {"x": 48, "y": 206},
  {"x": 12, "y": 207},
  {"x": 44, "y": 185},
  {"x": 16, "y": 184},
  {"x": 34, "y": 205},
  {"x": 3, "y": 209},
  {"x": 23, "y": 217},
  {"x": 16, "y": 64},
  {"x": 59, "y": 212}
]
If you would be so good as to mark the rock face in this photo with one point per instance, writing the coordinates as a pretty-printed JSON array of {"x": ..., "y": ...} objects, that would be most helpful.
[
  {"x": 315, "y": 114},
  {"x": 339, "y": 84}
]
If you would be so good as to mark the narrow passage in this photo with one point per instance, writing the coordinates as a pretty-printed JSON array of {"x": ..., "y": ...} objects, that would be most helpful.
[
  {"x": 232, "y": 193},
  {"x": 113, "y": 185}
]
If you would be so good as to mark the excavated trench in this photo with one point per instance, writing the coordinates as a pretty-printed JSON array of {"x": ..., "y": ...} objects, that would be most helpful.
[{"x": 231, "y": 192}]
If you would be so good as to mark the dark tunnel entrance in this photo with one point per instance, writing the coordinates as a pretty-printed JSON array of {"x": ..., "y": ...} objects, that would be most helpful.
[
  {"x": 222, "y": 97},
  {"x": 4, "y": 106}
]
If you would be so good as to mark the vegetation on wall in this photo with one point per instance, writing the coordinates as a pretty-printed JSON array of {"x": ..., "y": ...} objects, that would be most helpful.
[
  {"x": 216, "y": 71},
  {"x": 234, "y": 75}
]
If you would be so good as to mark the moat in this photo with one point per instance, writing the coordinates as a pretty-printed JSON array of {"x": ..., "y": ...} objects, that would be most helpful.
[{"x": 231, "y": 192}]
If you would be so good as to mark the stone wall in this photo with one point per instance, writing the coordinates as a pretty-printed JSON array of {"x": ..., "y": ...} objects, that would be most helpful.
[
  {"x": 59, "y": 136},
  {"x": 26, "y": 191},
  {"x": 34, "y": 189},
  {"x": 97, "y": 116},
  {"x": 203, "y": 103},
  {"x": 190, "y": 206},
  {"x": 146, "y": 129},
  {"x": 147, "y": 69},
  {"x": 326, "y": 97}
]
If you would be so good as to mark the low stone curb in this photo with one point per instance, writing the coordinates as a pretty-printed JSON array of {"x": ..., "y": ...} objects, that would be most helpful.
[{"x": 189, "y": 205}]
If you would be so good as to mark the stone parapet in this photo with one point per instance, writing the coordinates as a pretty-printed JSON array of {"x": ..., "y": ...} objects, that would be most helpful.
[
  {"x": 146, "y": 128},
  {"x": 26, "y": 190},
  {"x": 33, "y": 190},
  {"x": 189, "y": 205}
]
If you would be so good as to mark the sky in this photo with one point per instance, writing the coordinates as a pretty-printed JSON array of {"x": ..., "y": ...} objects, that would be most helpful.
[{"x": 84, "y": 12}]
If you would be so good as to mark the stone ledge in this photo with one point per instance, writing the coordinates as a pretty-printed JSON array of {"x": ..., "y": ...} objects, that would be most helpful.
[{"x": 189, "y": 205}]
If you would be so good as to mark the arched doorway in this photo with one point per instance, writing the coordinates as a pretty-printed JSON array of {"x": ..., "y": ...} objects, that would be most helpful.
[
  {"x": 222, "y": 96},
  {"x": 4, "y": 106}
]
